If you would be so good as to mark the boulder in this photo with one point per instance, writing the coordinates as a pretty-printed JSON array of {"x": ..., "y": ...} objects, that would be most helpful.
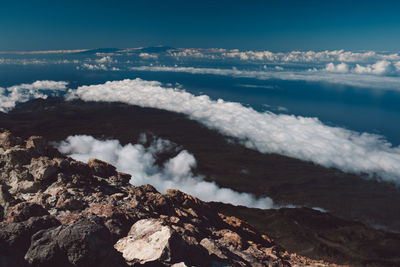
[
  {"x": 43, "y": 169},
  {"x": 20, "y": 181},
  {"x": 37, "y": 144},
  {"x": 87, "y": 242},
  {"x": 6, "y": 199},
  {"x": 147, "y": 241},
  {"x": 17, "y": 235},
  {"x": 25, "y": 210},
  {"x": 120, "y": 178},
  {"x": 151, "y": 240},
  {"x": 8, "y": 140},
  {"x": 16, "y": 156},
  {"x": 102, "y": 168}
]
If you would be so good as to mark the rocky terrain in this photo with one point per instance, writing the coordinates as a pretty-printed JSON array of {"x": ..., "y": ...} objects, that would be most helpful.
[
  {"x": 321, "y": 235},
  {"x": 228, "y": 164},
  {"x": 56, "y": 211}
]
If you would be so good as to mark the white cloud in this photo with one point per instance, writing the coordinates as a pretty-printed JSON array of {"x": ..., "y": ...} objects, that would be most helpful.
[
  {"x": 106, "y": 59},
  {"x": 342, "y": 67},
  {"x": 380, "y": 67},
  {"x": 139, "y": 161},
  {"x": 148, "y": 56},
  {"x": 94, "y": 66},
  {"x": 34, "y": 61},
  {"x": 293, "y": 57},
  {"x": 309, "y": 56},
  {"x": 294, "y": 136},
  {"x": 10, "y": 96},
  {"x": 252, "y": 55},
  {"x": 397, "y": 65},
  {"x": 351, "y": 79},
  {"x": 355, "y": 57}
]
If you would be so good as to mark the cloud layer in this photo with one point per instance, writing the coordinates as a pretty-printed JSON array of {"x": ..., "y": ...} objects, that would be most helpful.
[
  {"x": 10, "y": 96},
  {"x": 139, "y": 161},
  {"x": 336, "y": 74},
  {"x": 299, "y": 137},
  {"x": 368, "y": 69},
  {"x": 294, "y": 136}
]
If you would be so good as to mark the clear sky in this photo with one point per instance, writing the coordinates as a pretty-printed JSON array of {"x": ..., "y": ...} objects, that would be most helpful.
[{"x": 277, "y": 25}]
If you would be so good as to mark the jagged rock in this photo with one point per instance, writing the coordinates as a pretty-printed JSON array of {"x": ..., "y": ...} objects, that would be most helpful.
[
  {"x": 70, "y": 204},
  {"x": 102, "y": 168},
  {"x": 6, "y": 199},
  {"x": 17, "y": 235},
  {"x": 120, "y": 178},
  {"x": 114, "y": 218},
  {"x": 83, "y": 243},
  {"x": 20, "y": 181},
  {"x": 77, "y": 169},
  {"x": 42, "y": 169},
  {"x": 25, "y": 210},
  {"x": 26, "y": 187},
  {"x": 38, "y": 144},
  {"x": 7, "y": 140},
  {"x": 16, "y": 156}
]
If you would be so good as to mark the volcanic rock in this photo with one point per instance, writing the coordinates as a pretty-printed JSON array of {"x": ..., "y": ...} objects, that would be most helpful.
[{"x": 62, "y": 212}]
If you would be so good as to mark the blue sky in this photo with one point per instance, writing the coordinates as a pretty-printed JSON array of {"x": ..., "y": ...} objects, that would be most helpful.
[{"x": 271, "y": 25}]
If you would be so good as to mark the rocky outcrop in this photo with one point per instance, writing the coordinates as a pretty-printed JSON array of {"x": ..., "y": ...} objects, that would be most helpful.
[{"x": 61, "y": 212}]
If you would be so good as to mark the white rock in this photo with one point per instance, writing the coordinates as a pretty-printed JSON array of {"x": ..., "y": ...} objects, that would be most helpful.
[
  {"x": 148, "y": 240},
  {"x": 180, "y": 264}
]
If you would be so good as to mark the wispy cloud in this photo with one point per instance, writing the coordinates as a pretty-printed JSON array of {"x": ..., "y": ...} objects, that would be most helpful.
[
  {"x": 314, "y": 75},
  {"x": 42, "y": 52}
]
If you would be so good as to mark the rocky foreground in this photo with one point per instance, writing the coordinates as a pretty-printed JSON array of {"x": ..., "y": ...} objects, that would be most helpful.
[{"x": 56, "y": 211}]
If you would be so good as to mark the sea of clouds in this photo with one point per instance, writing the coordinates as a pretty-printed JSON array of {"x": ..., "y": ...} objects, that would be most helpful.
[
  {"x": 367, "y": 69},
  {"x": 294, "y": 136},
  {"x": 140, "y": 161}
]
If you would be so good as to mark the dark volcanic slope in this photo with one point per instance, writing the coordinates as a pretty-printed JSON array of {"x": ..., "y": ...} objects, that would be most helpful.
[
  {"x": 320, "y": 235},
  {"x": 284, "y": 179}
]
